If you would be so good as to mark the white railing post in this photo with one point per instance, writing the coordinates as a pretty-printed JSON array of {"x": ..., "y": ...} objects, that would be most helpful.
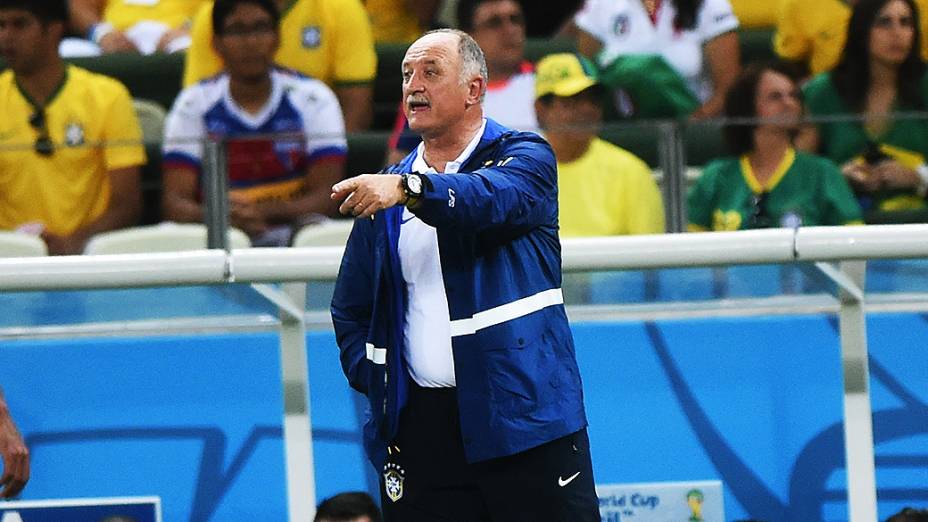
[
  {"x": 298, "y": 450},
  {"x": 858, "y": 415}
]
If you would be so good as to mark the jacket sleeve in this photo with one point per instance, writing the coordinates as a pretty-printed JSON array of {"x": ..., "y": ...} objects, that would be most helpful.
[
  {"x": 518, "y": 189},
  {"x": 352, "y": 304}
]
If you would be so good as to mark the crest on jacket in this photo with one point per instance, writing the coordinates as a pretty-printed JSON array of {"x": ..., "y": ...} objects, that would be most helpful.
[{"x": 393, "y": 477}]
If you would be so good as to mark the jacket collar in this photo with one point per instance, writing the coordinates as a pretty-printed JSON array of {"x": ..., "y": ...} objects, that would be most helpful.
[
  {"x": 492, "y": 132},
  {"x": 420, "y": 166}
]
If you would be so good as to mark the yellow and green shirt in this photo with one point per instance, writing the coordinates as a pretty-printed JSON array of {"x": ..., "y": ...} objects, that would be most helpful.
[
  {"x": 123, "y": 14},
  {"x": 329, "y": 40},
  {"x": 805, "y": 190},
  {"x": 905, "y": 140},
  {"x": 754, "y": 14},
  {"x": 69, "y": 188},
  {"x": 608, "y": 191},
  {"x": 814, "y": 32}
]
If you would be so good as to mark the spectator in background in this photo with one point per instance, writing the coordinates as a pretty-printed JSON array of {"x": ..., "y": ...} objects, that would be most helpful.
[
  {"x": 668, "y": 57},
  {"x": 401, "y": 21},
  {"x": 813, "y": 33},
  {"x": 547, "y": 19},
  {"x": 880, "y": 72},
  {"x": 768, "y": 183},
  {"x": 277, "y": 183},
  {"x": 73, "y": 144},
  {"x": 754, "y": 14},
  {"x": 602, "y": 189},
  {"x": 142, "y": 26},
  {"x": 909, "y": 515},
  {"x": 329, "y": 40},
  {"x": 499, "y": 29},
  {"x": 355, "y": 506},
  {"x": 13, "y": 450}
]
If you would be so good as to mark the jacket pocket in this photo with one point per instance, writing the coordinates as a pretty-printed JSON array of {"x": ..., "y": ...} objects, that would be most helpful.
[{"x": 523, "y": 375}]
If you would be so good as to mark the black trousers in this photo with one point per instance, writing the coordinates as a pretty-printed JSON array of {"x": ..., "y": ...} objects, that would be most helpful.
[{"x": 427, "y": 479}]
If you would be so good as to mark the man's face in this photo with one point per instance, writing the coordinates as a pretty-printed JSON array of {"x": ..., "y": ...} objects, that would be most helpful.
[
  {"x": 247, "y": 42},
  {"x": 434, "y": 97},
  {"x": 24, "y": 39},
  {"x": 578, "y": 116},
  {"x": 499, "y": 29}
]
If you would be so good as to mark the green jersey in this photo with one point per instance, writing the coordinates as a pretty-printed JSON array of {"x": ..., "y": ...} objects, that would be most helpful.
[
  {"x": 805, "y": 190},
  {"x": 905, "y": 140}
]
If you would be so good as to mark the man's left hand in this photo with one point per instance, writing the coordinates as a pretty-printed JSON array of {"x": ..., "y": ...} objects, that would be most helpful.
[{"x": 369, "y": 193}]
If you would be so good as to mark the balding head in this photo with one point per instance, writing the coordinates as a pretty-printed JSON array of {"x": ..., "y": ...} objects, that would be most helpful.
[
  {"x": 444, "y": 81},
  {"x": 472, "y": 62}
]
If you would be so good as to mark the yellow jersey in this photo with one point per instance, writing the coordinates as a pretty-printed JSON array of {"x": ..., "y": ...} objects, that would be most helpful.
[
  {"x": 756, "y": 14},
  {"x": 123, "y": 14},
  {"x": 392, "y": 22},
  {"x": 329, "y": 40},
  {"x": 69, "y": 188},
  {"x": 608, "y": 191},
  {"x": 815, "y": 32}
]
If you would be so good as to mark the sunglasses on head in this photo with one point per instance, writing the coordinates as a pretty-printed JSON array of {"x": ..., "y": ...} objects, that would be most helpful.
[
  {"x": 497, "y": 21},
  {"x": 43, "y": 143},
  {"x": 759, "y": 217}
]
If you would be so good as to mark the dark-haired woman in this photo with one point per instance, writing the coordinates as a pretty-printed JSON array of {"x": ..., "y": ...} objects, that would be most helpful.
[
  {"x": 695, "y": 38},
  {"x": 768, "y": 183},
  {"x": 880, "y": 73}
]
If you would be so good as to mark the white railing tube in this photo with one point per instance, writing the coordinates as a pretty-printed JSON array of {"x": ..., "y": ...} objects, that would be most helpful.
[{"x": 263, "y": 265}]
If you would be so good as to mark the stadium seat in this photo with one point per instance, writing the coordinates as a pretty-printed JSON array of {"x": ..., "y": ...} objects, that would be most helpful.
[
  {"x": 151, "y": 117},
  {"x": 164, "y": 237},
  {"x": 16, "y": 244},
  {"x": 155, "y": 77},
  {"x": 329, "y": 233}
]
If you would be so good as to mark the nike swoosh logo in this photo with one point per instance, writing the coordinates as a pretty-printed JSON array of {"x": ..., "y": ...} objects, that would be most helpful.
[
  {"x": 407, "y": 220},
  {"x": 563, "y": 482}
]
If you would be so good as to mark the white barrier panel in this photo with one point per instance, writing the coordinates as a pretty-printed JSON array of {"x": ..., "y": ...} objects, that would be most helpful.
[
  {"x": 114, "y": 271},
  {"x": 865, "y": 242},
  {"x": 117, "y": 509},
  {"x": 695, "y": 501},
  {"x": 262, "y": 265},
  {"x": 680, "y": 250}
]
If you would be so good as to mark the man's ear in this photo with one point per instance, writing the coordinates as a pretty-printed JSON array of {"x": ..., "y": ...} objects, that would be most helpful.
[{"x": 475, "y": 90}]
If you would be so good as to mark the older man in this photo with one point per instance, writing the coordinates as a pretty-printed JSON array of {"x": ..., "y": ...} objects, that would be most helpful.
[
  {"x": 449, "y": 313},
  {"x": 498, "y": 26}
]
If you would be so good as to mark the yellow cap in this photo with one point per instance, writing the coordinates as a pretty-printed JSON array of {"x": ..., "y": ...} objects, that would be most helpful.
[{"x": 564, "y": 74}]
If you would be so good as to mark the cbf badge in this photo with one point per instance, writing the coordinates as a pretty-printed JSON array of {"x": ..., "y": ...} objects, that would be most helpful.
[
  {"x": 74, "y": 134},
  {"x": 312, "y": 37},
  {"x": 393, "y": 476}
]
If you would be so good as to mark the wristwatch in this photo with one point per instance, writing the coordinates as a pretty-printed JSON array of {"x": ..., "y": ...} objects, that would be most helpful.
[{"x": 412, "y": 187}]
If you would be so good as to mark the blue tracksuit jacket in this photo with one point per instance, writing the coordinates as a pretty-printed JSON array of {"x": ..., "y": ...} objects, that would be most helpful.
[{"x": 518, "y": 385}]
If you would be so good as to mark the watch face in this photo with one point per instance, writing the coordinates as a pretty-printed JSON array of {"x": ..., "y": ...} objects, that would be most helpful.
[{"x": 414, "y": 183}]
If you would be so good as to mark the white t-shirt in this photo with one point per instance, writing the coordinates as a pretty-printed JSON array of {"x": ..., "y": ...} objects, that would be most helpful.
[
  {"x": 427, "y": 329},
  {"x": 298, "y": 105},
  {"x": 268, "y": 152},
  {"x": 512, "y": 102},
  {"x": 624, "y": 28}
]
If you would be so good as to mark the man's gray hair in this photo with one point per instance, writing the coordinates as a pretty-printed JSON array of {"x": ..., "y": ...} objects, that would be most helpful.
[{"x": 473, "y": 62}]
